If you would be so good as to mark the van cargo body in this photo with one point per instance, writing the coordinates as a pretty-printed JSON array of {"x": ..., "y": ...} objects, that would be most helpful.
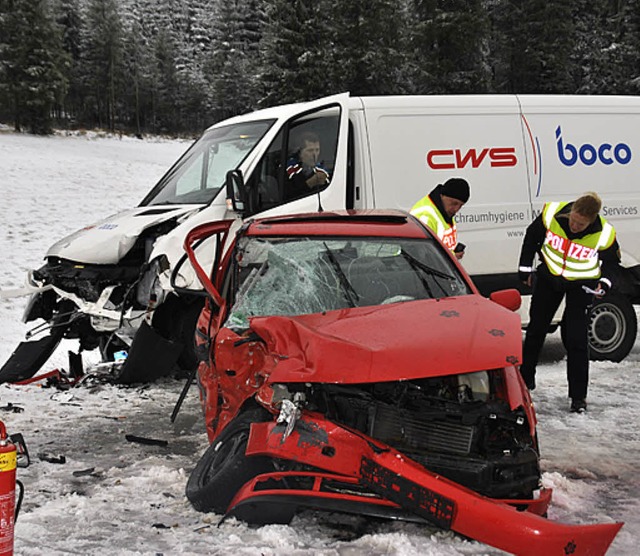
[{"x": 516, "y": 151}]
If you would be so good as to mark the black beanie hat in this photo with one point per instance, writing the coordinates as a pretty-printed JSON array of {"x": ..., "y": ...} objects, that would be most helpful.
[{"x": 456, "y": 188}]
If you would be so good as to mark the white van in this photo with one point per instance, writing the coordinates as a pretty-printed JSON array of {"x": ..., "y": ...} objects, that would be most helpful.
[{"x": 516, "y": 151}]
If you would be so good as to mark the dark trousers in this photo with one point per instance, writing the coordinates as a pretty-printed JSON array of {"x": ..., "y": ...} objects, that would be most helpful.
[{"x": 547, "y": 295}]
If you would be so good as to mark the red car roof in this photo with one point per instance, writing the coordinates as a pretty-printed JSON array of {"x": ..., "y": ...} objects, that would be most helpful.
[{"x": 382, "y": 223}]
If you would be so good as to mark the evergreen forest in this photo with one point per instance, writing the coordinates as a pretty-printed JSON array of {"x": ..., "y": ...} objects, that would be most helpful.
[{"x": 178, "y": 66}]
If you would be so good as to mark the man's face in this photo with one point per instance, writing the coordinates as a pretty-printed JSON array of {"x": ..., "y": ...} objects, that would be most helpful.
[
  {"x": 578, "y": 222},
  {"x": 451, "y": 205},
  {"x": 310, "y": 153}
]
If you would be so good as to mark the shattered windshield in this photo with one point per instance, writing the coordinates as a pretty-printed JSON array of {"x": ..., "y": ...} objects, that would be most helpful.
[
  {"x": 200, "y": 173},
  {"x": 295, "y": 276}
]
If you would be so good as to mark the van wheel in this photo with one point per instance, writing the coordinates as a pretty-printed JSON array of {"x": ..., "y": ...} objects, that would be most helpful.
[
  {"x": 224, "y": 467},
  {"x": 613, "y": 327}
]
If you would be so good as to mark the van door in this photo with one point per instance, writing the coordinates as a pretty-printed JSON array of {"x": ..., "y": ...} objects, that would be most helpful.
[{"x": 304, "y": 167}]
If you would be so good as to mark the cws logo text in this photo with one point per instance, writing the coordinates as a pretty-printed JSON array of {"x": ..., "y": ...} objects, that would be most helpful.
[
  {"x": 448, "y": 159},
  {"x": 589, "y": 154}
]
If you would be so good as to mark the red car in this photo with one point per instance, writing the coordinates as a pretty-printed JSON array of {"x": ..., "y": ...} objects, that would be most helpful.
[{"x": 348, "y": 363}]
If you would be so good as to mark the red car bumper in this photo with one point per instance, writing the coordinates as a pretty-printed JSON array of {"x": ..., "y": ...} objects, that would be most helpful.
[{"x": 364, "y": 476}]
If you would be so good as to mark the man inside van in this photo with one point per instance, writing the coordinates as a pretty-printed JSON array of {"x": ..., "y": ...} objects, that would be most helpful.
[
  {"x": 437, "y": 210},
  {"x": 579, "y": 253},
  {"x": 305, "y": 171}
]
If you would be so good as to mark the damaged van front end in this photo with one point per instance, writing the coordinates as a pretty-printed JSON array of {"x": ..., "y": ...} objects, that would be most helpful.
[
  {"x": 108, "y": 285},
  {"x": 98, "y": 286}
]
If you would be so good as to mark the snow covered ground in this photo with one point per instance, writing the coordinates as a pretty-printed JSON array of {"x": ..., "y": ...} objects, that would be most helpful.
[{"x": 119, "y": 497}]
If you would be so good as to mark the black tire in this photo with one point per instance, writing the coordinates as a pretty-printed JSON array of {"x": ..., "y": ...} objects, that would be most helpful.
[
  {"x": 176, "y": 320},
  {"x": 184, "y": 331},
  {"x": 224, "y": 467},
  {"x": 613, "y": 328}
]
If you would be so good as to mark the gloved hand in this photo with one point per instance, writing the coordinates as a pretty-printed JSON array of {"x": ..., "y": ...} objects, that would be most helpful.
[{"x": 525, "y": 274}]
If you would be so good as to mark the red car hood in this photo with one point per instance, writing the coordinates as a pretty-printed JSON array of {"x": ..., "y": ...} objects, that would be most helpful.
[{"x": 392, "y": 342}]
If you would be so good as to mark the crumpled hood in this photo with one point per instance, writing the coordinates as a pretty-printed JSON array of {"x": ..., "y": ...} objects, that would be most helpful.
[
  {"x": 107, "y": 241},
  {"x": 401, "y": 341}
]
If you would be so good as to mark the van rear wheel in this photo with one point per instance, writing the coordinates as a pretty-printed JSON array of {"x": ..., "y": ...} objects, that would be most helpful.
[{"x": 613, "y": 327}]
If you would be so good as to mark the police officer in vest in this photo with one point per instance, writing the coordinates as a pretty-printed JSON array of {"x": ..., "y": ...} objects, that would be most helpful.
[
  {"x": 437, "y": 210},
  {"x": 578, "y": 251}
]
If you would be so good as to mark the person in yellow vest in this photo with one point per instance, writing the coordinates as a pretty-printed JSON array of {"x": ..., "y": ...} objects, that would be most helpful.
[
  {"x": 578, "y": 252},
  {"x": 437, "y": 210}
]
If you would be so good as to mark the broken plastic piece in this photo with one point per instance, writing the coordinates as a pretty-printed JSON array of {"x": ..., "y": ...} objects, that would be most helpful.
[{"x": 143, "y": 440}]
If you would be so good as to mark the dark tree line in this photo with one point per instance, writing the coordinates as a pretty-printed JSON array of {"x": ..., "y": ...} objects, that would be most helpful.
[{"x": 177, "y": 66}]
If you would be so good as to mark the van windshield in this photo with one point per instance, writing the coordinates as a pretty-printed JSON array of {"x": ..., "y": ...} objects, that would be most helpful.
[{"x": 200, "y": 173}]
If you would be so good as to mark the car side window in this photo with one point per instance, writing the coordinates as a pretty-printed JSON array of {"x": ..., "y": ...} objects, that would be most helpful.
[
  {"x": 266, "y": 183},
  {"x": 299, "y": 162}
]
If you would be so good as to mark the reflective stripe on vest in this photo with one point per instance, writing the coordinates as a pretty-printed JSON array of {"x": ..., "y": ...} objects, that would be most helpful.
[
  {"x": 431, "y": 217},
  {"x": 573, "y": 260}
]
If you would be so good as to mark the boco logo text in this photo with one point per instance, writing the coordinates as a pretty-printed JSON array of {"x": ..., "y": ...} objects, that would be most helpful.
[{"x": 590, "y": 154}]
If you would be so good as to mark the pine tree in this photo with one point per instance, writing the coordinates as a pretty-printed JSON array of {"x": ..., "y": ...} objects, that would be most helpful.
[
  {"x": 138, "y": 90},
  {"x": 32, "y": 64},
  {"x": 142, "y": 21},
  {"x": 532, "y": 46},
  {"x": 365, "y": 47},
  {"x": 595, "y": 47},
  {"x": 103, "y": 60},
  {"x": 295, "y": 45},
  {"x": 179, "y": 45},
  {"x": 234, "y": 59},
  {"x": 166, "y": 84},
  {"x": 69, "y": 19},
  {"x": 449, "y": 47},
  {"x": 630, "y": 51}
]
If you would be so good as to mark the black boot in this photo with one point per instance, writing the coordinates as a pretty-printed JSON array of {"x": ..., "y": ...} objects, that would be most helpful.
[{"x": 578, "y": 405}]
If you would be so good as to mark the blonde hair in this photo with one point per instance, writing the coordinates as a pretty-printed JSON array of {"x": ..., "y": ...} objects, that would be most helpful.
[{"x": 588, "y": 205}]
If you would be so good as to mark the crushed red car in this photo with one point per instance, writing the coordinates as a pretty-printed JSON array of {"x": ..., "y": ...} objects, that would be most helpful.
[{"x": 348, "y": 363}]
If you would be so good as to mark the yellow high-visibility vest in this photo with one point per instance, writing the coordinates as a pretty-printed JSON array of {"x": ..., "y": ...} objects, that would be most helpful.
[
  {"x": 575, "y": 259},
  {"x": 427, "y": 212}
]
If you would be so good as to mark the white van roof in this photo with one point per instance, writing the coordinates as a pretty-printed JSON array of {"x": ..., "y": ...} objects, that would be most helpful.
[{"x": 458, "y": 104}]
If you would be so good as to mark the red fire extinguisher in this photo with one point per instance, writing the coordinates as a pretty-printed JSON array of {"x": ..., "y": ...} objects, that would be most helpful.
[{"x": 8, "y": 464}]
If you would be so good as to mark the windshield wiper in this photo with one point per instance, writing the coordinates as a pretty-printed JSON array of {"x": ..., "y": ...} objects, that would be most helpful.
[
  {"x": 425, "y": 267},
  {"x": 419, "y": 265},
  {"x": 346, "y": 285}
]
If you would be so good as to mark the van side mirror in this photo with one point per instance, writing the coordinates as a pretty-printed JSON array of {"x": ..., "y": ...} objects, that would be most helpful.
[
  {"x": 236, "y": 191},
  {"x": 509, "y": 299}
]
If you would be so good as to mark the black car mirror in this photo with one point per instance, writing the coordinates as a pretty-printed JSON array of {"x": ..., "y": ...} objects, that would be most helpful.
[{"x": 236, "y": 191}]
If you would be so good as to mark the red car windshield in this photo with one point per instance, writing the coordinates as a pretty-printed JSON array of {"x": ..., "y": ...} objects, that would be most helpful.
[{"x": 302, "y": 275}]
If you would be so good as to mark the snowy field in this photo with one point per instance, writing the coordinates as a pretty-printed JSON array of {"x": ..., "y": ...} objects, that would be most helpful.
[{"x": 90, "y": 491}]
